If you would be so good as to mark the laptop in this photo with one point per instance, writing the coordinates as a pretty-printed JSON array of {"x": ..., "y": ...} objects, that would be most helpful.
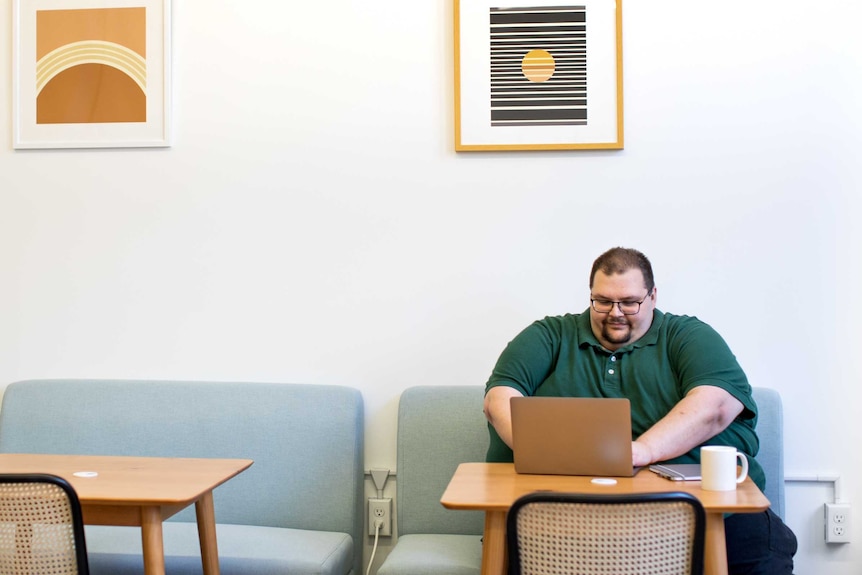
[{"x": 572, "y": 436}]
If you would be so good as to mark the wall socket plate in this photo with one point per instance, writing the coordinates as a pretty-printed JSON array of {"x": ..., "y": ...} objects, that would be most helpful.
[
  {"x": 836, "y": 520},
  {"x": 380, "y": 509}
]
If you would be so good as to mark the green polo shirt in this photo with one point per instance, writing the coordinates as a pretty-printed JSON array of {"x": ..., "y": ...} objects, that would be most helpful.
[{"x": 560, "y": 356}]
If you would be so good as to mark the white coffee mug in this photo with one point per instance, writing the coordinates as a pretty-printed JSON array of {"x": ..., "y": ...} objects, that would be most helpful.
[{"x": 718, "y": 467}]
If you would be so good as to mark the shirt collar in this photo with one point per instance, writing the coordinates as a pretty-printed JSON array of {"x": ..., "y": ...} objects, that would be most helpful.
[{"x": 586, "y": 337}]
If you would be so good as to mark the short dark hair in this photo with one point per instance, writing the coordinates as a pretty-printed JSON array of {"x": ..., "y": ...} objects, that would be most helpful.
[{"x": 620, "y": 260}]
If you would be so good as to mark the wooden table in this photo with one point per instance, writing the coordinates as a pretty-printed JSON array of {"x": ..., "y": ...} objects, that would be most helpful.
[
  {"x": 493, "y": 487},
  {"x": 140, "y": 491}
]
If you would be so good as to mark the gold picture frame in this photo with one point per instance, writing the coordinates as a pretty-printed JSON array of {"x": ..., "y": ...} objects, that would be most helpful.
[
  {"x": 91, "y": 73},
  {"x": 524, "y": 79}
]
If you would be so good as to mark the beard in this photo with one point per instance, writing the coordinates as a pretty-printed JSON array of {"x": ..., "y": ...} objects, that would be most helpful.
[{"x": 616, "y": 336}]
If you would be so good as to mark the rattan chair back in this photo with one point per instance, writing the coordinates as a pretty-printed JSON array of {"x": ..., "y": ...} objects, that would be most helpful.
[
  {"x": 41, "y": 527},
  {"x": 581, "y": 534}
]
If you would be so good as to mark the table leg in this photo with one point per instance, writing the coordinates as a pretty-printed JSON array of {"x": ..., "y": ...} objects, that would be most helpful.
[
  {"x": 494, "y": 544},
  {"x": 207, "y": 533},
  {"x": 153, "y": 543},
  {"x": 715, "y": 552}
]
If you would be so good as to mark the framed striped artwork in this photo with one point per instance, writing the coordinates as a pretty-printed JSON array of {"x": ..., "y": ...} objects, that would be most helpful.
[
  {"x": 538, "y": 75},
  {"x": 91, "y": 73}
]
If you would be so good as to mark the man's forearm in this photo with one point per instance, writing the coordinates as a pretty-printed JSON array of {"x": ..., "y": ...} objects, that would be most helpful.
[
  {"x": 498, "y": 411},
  {"x": 702, "y": 414}
]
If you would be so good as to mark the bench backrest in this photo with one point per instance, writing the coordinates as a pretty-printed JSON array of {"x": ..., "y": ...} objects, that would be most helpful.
[
  {"x": 306, "y": 440},
  {"x": 438, "y": 428},
  {"x": 770, "y": 431}
]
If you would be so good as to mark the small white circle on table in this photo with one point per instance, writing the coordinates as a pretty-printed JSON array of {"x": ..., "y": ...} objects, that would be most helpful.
[
  {"x": 86, "y": 474},
  {"x": 604, "y": 481}
]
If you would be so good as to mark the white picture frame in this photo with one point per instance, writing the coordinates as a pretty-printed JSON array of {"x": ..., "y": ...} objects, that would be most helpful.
[
  {"x": 524, "y": 79},
  {"x": 91, "y": 73}
]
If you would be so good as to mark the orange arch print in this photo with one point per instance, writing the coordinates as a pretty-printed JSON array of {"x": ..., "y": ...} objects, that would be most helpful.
[{"x": 91, "y": 66}]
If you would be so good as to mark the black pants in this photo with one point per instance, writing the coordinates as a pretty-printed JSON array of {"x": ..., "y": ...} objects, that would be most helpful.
[{"x": 759, "y": 544}]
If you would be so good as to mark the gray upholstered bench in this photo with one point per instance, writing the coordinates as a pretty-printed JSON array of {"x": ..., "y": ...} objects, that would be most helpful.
[
  {"x": 442, "y": 426},
  {"x": 297, "y": 510},
  {"x": 438, "y": 428}
]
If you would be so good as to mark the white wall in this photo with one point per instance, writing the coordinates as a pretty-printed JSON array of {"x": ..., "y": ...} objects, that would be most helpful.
[{"x": 311, "y": 222}]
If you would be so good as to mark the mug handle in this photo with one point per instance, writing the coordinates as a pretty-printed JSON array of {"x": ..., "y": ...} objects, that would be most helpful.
[{"x": 743, "y": 461}]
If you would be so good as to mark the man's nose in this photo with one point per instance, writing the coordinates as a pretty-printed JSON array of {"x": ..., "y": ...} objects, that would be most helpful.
[{"x": 616, "y": 310}]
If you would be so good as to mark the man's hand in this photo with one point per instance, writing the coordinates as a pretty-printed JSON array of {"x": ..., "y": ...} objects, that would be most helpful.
[{"x": 641, "y": 455}]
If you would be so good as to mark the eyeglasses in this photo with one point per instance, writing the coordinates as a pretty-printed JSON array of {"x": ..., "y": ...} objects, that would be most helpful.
[{"x": 626, "y": 307}]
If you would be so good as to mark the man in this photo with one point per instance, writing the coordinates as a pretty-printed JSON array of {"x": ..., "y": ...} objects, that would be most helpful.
[{"x": 685, "y": 386}]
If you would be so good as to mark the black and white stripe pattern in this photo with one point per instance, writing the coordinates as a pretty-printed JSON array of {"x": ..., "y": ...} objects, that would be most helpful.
[{"x": 562, "y": 99}]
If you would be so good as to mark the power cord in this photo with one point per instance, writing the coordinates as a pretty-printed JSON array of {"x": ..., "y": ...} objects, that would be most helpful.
[{"x": 378, "y": 525}]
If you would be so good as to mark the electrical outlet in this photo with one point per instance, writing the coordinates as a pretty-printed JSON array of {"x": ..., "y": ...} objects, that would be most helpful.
[
  {"x": 380, "y": 512},
  {"x": 837, "y": 522}
]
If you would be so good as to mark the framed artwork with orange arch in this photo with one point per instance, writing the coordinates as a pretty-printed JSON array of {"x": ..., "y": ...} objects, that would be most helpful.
[
  {"x": 538, "y": 75},
  {"x": 91, "y": 73}
]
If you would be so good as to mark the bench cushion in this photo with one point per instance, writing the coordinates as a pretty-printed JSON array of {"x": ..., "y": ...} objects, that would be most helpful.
[
  {"x": 434, "y": 554},
  {"x": 243, "y": 550}
]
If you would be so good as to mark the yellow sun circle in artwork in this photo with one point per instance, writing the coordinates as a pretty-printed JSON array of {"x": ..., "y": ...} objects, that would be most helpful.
[{"x": 538, "y": 65}]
